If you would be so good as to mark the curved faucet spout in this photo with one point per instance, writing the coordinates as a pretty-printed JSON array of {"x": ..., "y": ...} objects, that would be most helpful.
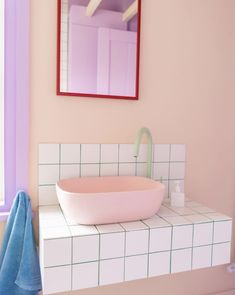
[{"x": 141, "y": 132}]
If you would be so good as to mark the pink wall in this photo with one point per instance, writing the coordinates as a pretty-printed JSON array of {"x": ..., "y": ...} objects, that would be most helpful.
[
  {"x": 83, "y": 57},
  {"x": 186, "y": 96},
  {"x": 116, "y": 62}
]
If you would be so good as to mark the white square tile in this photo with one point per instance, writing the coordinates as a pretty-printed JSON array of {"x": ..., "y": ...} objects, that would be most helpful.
[
  {"x": 83, "y": 230},
  {"x": 181, "y": 260},
  {"x": 161, "y": 153},
  {"x": 70, "y": 153},
  {"x": 202, "y": 257},
  {"x": 90, "y": 170},
  {"x": 197, "y": 218},
  {"x": 134, "y": 225},
  {"x": 221, "y": 253},
  {"x": 141, "y": 169},
  {"x": 127, "y": 169},
  {"x": 47, "y": 195},
  {"x": 143, "y": 153},
  {"x": 192, "y": 204},
  {"x": 156, "y": 222},
  {"x": 203, "y": 209},
  {"x": 160, "y": 239},
  {"x": 112, "y": 245},
  {"x": 182, "y": 236},
  {"x": 109, "y": 228},
  {"x": 85, "y": 275},
  {"x": 215, "y": 216},
  {"x": 165, "y": 212},
  {"x": 63, "y": 63},
  {"x": 109, "y": 153},
  {"x": 159, "y": 264},
  {"x": 69, "y": 171},
  {"x": 137, "y": 242},
  {"x": 136, "y": 267},
  {"x": 177, "y": 220},
  {"x": 52, "y": 222},
  {"x": 184, "y": 211},
  {"x": 222, "y": 231},
  {"x": 202, "y": 234},
  {"x": 90, "y": 153},
  {"x": 49, "y": 154},
  {"x": 126, "y": 153},
  {"x": 109, "y": 169},
  {"x": 57, "y": 279},
  {"x": 54, "y": 232},
  {"x": 64, "y": 72},
  {"x": 64, "y": 45},
  {"x": 64, "y": 30},
  {"x": 161, "y": 171},
  {"x": 57, "y": 252},
  {"x": 111, "y": 271},
  {"x": 47, "y": 212},
  {"x": 63, "y": 84},
  {"x": 177, "y": 153},
  {"x": 177, "y": 170},
  {"x": 85, "y": 249},
  {"x": 48, "y": 174}
]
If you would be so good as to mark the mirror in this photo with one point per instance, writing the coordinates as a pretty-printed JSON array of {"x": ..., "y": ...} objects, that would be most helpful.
[{"x": 98, "y": 48}]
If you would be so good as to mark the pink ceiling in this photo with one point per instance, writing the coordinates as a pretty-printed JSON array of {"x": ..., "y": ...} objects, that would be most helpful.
[{"x": 116, "y": 5}]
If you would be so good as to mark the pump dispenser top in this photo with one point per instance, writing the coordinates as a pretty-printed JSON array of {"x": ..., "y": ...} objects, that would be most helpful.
[{"x": 177, "y": 197}]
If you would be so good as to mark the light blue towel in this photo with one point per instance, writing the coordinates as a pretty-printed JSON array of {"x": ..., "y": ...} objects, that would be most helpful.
[{"x": 19, "y": 264}]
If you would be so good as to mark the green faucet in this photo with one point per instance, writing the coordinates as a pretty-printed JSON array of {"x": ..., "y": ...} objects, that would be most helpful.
[{"x": 146, "y": 131}]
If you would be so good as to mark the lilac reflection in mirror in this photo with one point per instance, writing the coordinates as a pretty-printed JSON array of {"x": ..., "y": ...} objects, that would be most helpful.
[{"x": 98, "y": 48}]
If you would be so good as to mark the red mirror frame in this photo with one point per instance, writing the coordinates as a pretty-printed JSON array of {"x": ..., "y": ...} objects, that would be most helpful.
[{"x": 59, "y": 92}]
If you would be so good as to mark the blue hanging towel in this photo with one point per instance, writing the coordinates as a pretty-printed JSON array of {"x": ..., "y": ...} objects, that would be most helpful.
[{"x": 19, "y": 263}]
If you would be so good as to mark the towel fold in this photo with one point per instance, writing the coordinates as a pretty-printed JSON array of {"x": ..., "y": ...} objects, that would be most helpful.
[{"x": 19, "y": 263}]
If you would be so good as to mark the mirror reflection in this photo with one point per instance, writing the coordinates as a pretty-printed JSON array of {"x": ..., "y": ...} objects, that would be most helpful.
[{"x": 99, "y": 48}]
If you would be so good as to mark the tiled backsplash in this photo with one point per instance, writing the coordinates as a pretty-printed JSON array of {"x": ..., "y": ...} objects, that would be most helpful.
[
  {"x": 172, "y": 241},
  {"x": 64, "y": 46},
  {"x": 58, "y": 161},
  {"x": 176, "y": 239}
]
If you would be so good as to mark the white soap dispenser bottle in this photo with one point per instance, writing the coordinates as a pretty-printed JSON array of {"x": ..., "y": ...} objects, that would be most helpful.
[{"x": 177, "y": 197}]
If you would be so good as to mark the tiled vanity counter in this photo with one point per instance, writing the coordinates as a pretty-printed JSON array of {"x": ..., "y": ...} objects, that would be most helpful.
[{"x": 174, "y": 240}]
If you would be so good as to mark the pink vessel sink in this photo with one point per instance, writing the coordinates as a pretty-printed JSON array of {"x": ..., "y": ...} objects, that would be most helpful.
[{"x": 109, "y": 199}]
